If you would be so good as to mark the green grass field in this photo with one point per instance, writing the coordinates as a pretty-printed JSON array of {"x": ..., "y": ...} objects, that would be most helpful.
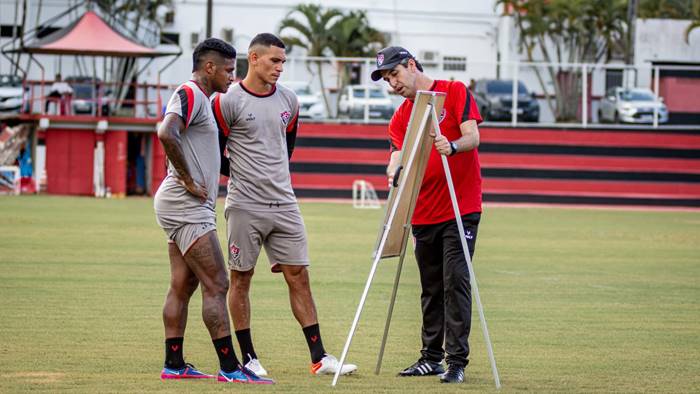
[{"x": 577, "y": 300}]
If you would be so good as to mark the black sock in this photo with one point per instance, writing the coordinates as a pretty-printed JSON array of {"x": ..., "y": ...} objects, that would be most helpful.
[
  {"x": 173, "y": 353},
  {"x": 227, "y": 355},
  {"x": 246, "y": 344},
  {"x": 313, "y": 339}
]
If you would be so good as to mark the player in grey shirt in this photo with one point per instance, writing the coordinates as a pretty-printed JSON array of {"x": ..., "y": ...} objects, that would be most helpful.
[
  {"x": 185, "y": 209},
  {"x": 258, "y": 118}
]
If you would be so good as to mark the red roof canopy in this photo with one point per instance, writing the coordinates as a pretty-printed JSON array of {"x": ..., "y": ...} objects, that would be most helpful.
[{"x": 92, "y": 36}]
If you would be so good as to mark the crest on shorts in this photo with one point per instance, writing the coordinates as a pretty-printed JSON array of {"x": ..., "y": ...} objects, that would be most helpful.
[
  {"x": 235, "y": 251},
  {"x": 285, "y": 116},
  {"x": 380, "y": 59}
]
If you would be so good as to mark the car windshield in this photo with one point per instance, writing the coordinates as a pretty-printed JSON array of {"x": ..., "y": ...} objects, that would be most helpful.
[
  {"x": 505, "y": 87},
  {"x": 373, "y": 93},
  {"x": 636, "y": 95},
  {"x": 10, "y": 80},
  {"x": 82, "y": 91},
  {"x": 302, "y": 90}
]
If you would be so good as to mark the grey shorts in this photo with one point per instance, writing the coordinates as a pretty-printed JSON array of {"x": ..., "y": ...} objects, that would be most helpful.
[
  {"x": 282, "y": 233},
  {"x": 186, "y": 235}
]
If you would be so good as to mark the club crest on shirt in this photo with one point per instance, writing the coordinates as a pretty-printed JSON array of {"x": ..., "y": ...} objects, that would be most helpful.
[
  {"x": 235, "y": 251},
  {"x": 380, "y": 59},
  {"x": 250, "y": 117},
  {"x": 443, "y": 114},
  {"x": 286, "y": 115}
]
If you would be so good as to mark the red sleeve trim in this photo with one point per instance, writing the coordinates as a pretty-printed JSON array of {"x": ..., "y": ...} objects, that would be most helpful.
[
  {"x": 292, "y": 124},
  {"x": 220, "y": 116},
  {"x": 190, "y": 103}
]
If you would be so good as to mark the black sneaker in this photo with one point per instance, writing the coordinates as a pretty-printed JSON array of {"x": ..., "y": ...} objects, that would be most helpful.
[
  {"x": 454, "y": 374},
  {"x": 423, "y": 367}
]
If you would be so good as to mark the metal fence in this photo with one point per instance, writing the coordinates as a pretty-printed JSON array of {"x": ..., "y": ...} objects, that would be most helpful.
[
  {"x": 559, "y": 91},
  {"x": 341, "y": 90}
]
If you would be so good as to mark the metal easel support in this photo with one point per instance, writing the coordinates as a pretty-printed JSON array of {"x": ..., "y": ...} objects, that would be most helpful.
[{"x": 465, "y": 248}]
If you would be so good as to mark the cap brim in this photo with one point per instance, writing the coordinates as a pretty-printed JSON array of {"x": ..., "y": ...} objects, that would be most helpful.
[{"x": 377, "y": 74}]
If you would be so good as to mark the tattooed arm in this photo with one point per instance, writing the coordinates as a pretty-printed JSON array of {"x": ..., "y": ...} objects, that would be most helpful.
[{"x": 169, "y": 135}]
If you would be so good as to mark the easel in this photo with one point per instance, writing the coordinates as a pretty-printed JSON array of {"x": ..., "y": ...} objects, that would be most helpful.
[{"x": 400, "y": 205}]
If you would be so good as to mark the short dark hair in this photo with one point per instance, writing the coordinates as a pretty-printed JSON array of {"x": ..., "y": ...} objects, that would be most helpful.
[
  {"x": 267, "y": 40},
  {"x": 404, "y": 63},
  {"x": 211, "y": 45}
]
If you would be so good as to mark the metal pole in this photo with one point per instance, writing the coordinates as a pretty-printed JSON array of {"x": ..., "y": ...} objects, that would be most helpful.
[
  {"x": 631, "y": 30},
  {"x": 366, "y": 108},
  {"x": 377, "y": 256},
  {"x": 209, "y": 10},
  {"x": 656, "y": 96},
  {"x": 584, "y": 96},
  {"x": 390, "y": 313},
  {"x": 514, "y": 104},
  {"x": 467, "y": 257}
]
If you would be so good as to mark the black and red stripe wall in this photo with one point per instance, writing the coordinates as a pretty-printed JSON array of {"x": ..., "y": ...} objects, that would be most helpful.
[{"x": 528, "y": 165}]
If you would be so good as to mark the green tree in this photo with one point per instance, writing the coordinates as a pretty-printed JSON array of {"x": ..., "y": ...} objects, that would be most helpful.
[
  {"x": 672, "y": 9},
  {"x": 567, "y": 31},
  {"x": 695, "y": 22},
  {"x": 352, "y": 36},
  {"x": 666, "y": 9},
  {"x": 311, "y": 29}
]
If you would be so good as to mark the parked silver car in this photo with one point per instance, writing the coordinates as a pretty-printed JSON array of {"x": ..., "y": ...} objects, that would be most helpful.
[
  {"x": 11, "y": 93},
  {"x": 634, "y": 105},
  {"x": 311, "y": 104},
  {"x": 355, "y": 98}
]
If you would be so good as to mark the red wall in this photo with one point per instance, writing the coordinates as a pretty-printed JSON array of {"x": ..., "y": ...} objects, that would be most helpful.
[
  {"x": 158, "y": 167},
  {"x": 680, "y": 94},
  {"x": 115, "y": 162},
  {"x": 69, "y": 161}
]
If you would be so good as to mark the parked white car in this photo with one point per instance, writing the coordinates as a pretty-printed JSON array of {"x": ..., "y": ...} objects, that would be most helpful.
[
  {"x": 11, "y": 93},
  {"x": 635, "y": 105},
  {"x": 355, "y": 97},
  {"x": 310, "y": 104}
]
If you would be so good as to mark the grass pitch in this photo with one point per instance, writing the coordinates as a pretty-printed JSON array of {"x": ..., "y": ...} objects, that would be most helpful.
[{"x": 577, "y": 300}]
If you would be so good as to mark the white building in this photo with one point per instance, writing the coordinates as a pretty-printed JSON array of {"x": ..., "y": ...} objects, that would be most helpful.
[
  {"x": 460, "y": 39},
  {"x": 465, "y": 32}
]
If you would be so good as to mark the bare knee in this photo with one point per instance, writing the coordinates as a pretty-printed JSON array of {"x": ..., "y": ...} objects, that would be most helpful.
[
  {"x": 296, "y": 276},
  {"x": 216, "y": 287},
  {"x": 240, "y": 280},
  {"x": 183, "y": 289}
]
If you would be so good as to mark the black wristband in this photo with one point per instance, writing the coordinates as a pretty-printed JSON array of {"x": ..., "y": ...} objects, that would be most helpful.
[{"x": 453, "y": 146}]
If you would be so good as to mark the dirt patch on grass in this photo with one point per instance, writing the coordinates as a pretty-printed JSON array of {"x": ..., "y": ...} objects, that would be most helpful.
[{"x": 36, "y": 377}]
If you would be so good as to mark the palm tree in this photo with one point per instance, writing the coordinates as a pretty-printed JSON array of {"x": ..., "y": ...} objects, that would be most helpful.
[
  {"x": 311, "y": 25},
  {"x": 352, "y": 36},
  {"x": 695, "y": 22},
  {"x": 567, "y": 31}
]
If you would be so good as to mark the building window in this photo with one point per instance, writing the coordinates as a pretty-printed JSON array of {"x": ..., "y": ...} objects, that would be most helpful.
[
  {"x": 227, "y": 35},
  {"x": 428, "y": 58},
  {"x": 170, "y": 38},
  {"x": 613, "y": 78},
  {"x": 194, "y": 39},
  {"x": 9, "y": 31},
  {"x": 454, "y": 63},
  {"x": 43, "y": 31}
]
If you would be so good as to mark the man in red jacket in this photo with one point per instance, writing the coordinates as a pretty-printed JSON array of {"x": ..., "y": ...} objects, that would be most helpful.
[{"x": 446, "y": 291}]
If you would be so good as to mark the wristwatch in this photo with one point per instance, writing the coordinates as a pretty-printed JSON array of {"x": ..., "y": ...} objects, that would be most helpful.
[{"x": 453, "y": 146}]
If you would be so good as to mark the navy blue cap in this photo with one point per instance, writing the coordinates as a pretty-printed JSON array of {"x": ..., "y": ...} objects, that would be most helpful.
[{"x": 390, "y": 57}]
